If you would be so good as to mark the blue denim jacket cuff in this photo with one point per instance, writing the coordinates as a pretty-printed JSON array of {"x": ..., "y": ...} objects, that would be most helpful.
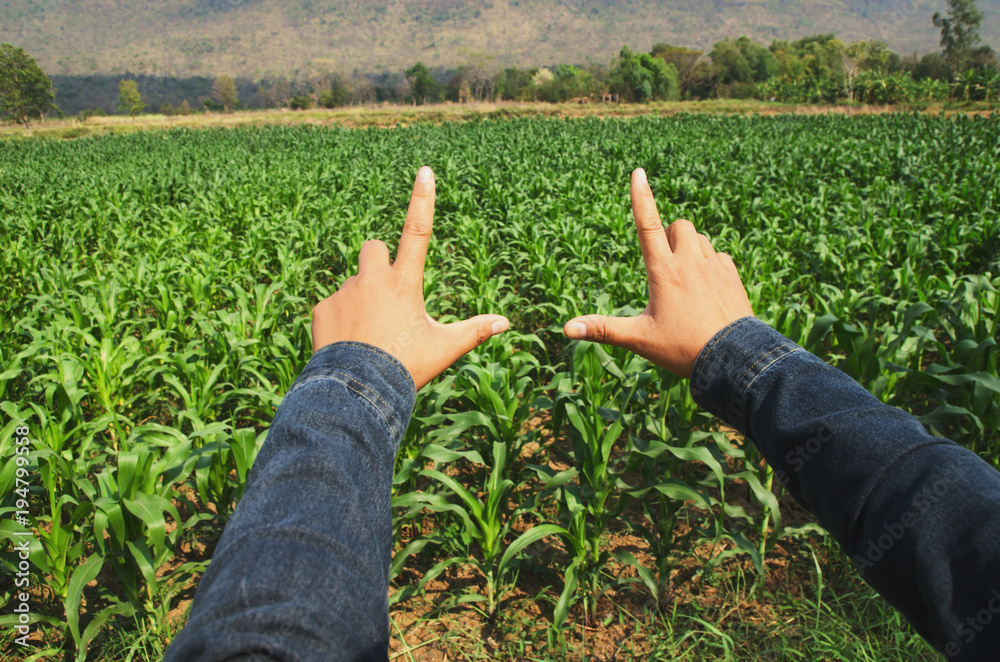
[
  {"x": 729, "y": 363},
  {"x": 370, "y": 373}
]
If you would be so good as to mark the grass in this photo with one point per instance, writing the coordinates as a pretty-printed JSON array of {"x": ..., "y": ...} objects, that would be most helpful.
[
  {"x": 389, "y": 115},
  {"x": 813, "y": 602}
]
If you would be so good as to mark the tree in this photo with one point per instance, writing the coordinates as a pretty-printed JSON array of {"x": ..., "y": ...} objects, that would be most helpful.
[
  {"x": 567, "y": 82},
  {"x": 642, "y": 77},
  {"x": 482, "y": 73},
  {"x": 335, "y": 92},
  {"x": 687, "y": 61},
  {"x": 933, "y": 66},
  {"x": 129, "y": 99},
  {"x": 422, "y": 84},
  {"x": 861, "y": 56},
  {"x": 763, "y": 64},
  {"x": 300, "y": 102},
  {"x": 810, "y": 69},
  {"x": 959, "y": 31},
  {"x": 274, "y": 94},
  {"x": 737, "y": 65},
  {"x": 25, "y": 90},
  {"x": 517, "y": 84},
  {"x": 731, "y": 64},
  {"x": 224, "y": 92}
]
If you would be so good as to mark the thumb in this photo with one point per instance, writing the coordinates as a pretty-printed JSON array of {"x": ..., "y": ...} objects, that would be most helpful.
[
  {"x": 473, "y": 332},
  {"x": 617, "y": 331}
]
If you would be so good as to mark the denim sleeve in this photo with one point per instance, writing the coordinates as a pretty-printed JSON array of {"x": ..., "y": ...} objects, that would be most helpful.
[
  {"x": 918, "y": 515},
  {"x": 301, "y": 571}
]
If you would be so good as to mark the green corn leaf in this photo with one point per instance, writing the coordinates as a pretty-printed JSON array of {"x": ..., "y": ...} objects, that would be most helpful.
[
  {"x": 473, "y": 504},
  {"x": 645, "y": 574},
  {"x": 745, "y": 545},
  {"x": 143, "y": 558},
  {"x": 821, "y": 325},
  {"x": 128, "y": 466},
  {"x": 530, "y": 536},
  {"x": 699, "y": 454},
  {"x": 109, "y": 514},
  {"x": 150, "y": 509},
  {"x": 763, "y": 495},
  {"x": 679, "y": 490},
  {"x": 80, "y": 577},
  {"x": 244, "y": 449},
  {"x": 568, "y": 595},
  {"x": 444, "y": 455},
  {"x": 11, "y": 530}
]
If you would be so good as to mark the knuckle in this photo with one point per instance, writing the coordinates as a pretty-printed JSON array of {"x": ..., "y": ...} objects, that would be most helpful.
[
  {"x": 672, "y": 273},
  {"x": 417, "y": 226},
  {"x": 683, "y": 225},
  {"x": 483, "y": 334},
  {"x": 650, "y": 226},
  {"x": 321, "y": 307},
  {"x": 599, "y": 331}
]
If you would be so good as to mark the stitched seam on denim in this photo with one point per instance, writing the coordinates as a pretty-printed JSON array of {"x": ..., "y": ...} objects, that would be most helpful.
[
  {"x": 362, "y": 390},
  {"x": 719, "y": 339},
  {"x": 792, "y": 349},
  {"x": 708, "y": 351},
  {"x": 396, "y": 363},
  {"x": 336, "y": 375}
]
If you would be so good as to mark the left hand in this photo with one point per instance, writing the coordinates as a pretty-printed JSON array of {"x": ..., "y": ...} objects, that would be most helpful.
[{"x": 383, "y": 305}]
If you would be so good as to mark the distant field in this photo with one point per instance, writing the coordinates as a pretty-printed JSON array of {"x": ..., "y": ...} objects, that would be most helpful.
[
  {"x": 392, "y": 115},
  {"x": 154, "y": 298}
]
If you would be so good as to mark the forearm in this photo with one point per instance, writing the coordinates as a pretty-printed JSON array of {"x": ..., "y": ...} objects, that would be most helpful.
[
  {"x": 919, "y": 515},
  {"x": 301, "y": 571}
]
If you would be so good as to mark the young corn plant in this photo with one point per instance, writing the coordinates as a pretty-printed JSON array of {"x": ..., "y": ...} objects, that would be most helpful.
[
  {"x": 486, "y": 521},
  {"x": 665, "y": 449},
  {"x": 498, "y": 399},
  {"x": 598, "y": 416}
]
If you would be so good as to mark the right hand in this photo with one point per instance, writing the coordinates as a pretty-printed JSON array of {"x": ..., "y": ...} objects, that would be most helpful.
[{"x": 693, "y": 292}]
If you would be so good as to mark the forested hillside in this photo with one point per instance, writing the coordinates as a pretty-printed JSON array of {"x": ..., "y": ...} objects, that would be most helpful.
[{"x": 264, "y": 38}]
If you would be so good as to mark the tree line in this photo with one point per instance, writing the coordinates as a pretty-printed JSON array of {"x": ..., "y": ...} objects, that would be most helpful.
[{"x": 814, "y": 69}]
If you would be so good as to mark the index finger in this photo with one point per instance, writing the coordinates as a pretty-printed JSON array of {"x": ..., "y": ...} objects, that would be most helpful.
[
  {"x": 652, "y": 237},
  {"x": 412, "y": 251}
]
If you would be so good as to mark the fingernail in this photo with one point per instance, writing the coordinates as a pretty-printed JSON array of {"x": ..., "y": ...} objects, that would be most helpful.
[
  {"x": 640, "y": 175},
  {"x": 424, "y": 175},
  {"x": 575, "y": 330},
  {"x": 500, "y": 326}
]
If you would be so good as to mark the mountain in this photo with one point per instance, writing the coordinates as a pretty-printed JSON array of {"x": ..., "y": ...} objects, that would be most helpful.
[{"x": 261, "y": 38}]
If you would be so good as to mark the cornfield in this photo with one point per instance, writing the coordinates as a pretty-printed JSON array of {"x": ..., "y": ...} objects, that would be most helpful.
[{"x": 155, "y": 291}]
